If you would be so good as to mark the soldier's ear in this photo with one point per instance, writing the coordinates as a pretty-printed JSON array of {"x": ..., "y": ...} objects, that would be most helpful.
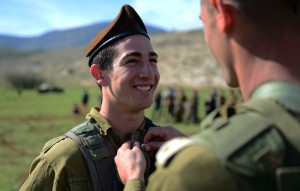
[
  {"x": 225, "y": 15},
  {"x": 98, "y": 75}
]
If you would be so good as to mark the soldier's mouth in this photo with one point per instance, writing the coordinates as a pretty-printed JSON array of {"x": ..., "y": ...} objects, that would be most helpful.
[{"x": 144, "y": 88}]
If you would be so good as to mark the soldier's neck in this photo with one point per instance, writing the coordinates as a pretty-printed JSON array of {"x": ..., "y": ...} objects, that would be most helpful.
[{"x": 124, "y": 123}]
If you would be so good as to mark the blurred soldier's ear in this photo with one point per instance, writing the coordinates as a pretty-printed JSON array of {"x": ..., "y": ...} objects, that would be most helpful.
[
  {"x": 224, "y": 13},
  {"x": 98, "y": 75}
]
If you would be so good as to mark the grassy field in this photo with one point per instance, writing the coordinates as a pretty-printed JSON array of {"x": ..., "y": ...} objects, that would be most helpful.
[
  {"x": 29, "y": 120},
  {"x": 26, "y": 123}
]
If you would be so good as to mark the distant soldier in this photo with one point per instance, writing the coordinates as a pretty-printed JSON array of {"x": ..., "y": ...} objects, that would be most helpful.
[
  {"x": 180, "y": 112},
  {"x": 256, "y": 43},
  {"x": 75, "y": 109},
  {"x": 170, "y": 103},
  {"x": 222, "y": 99},
  {"x": 84, "y": 100},
  {"x": 194, "y": 107},
  {"x": 157, "y": 107},
  {"x": 211, "y": 102}
]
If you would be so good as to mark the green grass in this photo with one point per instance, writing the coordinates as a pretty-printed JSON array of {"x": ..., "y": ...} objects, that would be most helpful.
[{"x": 29, "y": 120}]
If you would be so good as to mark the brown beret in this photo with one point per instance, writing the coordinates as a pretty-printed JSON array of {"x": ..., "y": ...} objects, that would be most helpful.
[{"x": 127, "y": 23}]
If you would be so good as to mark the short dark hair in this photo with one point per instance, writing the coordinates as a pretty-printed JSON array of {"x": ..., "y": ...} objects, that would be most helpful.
[
  {"x": 105, "y": 57},
  {"x": 269, "y": 10}
]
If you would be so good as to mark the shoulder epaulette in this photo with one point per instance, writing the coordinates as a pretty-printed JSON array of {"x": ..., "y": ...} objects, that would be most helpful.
[
  {"x": 52, "y": 142},
  {"x": 170, "y": 148}
]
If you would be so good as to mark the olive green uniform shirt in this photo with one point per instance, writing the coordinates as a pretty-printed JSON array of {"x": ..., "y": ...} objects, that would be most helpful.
[
  {"x": 63, "y": 167},
  {"x": 194, "y": 167}
]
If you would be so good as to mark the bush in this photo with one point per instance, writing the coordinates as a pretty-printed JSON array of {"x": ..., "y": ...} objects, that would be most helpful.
[{"x": 24, "y": 80}]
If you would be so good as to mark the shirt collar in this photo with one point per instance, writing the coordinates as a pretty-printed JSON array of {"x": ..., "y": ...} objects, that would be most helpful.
[
  {"x": 105, "y": 126},
  {"x": 100, "y": 119},
  {"x": 286, "y": 93}
]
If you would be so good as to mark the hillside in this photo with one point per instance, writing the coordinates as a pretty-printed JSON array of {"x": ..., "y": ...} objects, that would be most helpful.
[
  {"x": 184, "y": 60},
  {"x": 73, "y": 37}
]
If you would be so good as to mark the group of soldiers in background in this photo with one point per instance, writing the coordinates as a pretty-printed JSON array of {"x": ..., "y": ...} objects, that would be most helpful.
[{"x": 171, "y": 105}]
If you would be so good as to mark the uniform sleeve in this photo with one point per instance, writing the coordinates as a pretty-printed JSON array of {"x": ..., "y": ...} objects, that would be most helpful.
[
  {"x": 42, "y": 176},
  {"x": 62, "y": 167},
  {"x": 134, "y": 185},
  {"x": 193, "y": 168}
]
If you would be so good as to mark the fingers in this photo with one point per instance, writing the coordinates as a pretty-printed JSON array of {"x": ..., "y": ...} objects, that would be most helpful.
[
  {"x": 130, "y": 163},
  {"x": 152, "y": 146},
  {"x": 162, "y": 134},
  {"x": 129, "y": 145},
  {"x": 126, "y": 145},
  {"x": 136, "y": 144},
  {"x": 154, "y": 132},
  {"x": 157, "y": 136}
]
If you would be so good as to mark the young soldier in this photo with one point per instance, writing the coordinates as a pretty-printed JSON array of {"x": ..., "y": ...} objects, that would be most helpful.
[
  {"x": 256, "y": 43},
  {"x": 124, "y": 65}
]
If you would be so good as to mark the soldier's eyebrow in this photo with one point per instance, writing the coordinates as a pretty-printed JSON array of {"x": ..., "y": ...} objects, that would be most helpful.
[
  {"x": 153, "y": 54},
  {"x": 138, "y": 54}
]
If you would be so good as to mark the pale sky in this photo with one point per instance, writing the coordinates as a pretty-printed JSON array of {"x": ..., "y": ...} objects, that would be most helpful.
[{"x": 36, "y": 17}]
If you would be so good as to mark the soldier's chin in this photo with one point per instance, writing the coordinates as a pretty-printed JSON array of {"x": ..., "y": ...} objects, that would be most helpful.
[
  {"x": 146, "y": 106},
  {"x": 233, "y": 85},
  {"x": 231, "y": 80}
]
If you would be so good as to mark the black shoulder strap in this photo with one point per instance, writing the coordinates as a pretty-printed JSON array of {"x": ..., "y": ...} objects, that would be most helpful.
[
  {"x": 90, "y": 163},
  {"x": 98, "y": 155},
  {"x": 150, "y": 168}
]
